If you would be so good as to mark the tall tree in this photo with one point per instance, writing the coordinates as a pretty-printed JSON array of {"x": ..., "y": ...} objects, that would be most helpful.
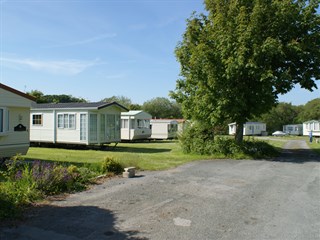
[
  {"x": 310, "y": 111},
  {"x": 125, "y": 101},
  {"x": 161, "y": 107},
  {"x": 238, "y": 58}
]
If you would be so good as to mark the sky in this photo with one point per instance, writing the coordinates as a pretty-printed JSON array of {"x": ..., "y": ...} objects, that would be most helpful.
[{"x": 96, "y": 49}]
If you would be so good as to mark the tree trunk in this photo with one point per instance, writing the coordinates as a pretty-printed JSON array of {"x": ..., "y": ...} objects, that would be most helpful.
[{"x": 239, "y": 133}]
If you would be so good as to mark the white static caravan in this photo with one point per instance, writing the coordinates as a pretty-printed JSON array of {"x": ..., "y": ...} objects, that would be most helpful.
[
  {"x": 313, "y": 125},
  {"x": 135, "y": 125},
  {"x": 293, "y": 129},
  {"x": 14, "y": 121},
  {"x": 249, "y": 128},
  {"x": 76, "y": 123},
  {"x": 163, "y": 128}
]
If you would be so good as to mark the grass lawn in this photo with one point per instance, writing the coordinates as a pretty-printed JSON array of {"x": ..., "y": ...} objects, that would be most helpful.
[{"x": 154, "y": 155}]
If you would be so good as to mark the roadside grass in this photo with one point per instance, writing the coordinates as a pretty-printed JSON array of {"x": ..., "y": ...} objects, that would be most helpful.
[{"x": 154, "y": 155}]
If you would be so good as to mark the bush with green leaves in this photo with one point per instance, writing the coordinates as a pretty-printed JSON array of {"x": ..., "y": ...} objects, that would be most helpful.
[
  {"x": 200, "y": 139},
  {"x": 109, "y": 165},
  {"x": 196, "y": 138}
]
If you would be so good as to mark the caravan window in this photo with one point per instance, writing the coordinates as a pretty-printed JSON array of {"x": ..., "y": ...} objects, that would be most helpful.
[
  {"x": 133, "y": 125},
  {"x": 67, "y": 121},
  {"x": 83, "y": 127},
  {"x": 143, "y": 123},
  {"x": 4, "y": 120},
  {"x": 1, "y": 120},
  {"x": 172, "y": 128},
  {"x": 37, "y": 119},
  {"x": 93, "y": 127},
  {"x": 124, "y": 123}
]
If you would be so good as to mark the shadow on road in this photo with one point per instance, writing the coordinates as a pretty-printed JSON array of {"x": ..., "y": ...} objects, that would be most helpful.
[
  {"x": 297, "y": 156},
  {"x": 77, "y": 222}
]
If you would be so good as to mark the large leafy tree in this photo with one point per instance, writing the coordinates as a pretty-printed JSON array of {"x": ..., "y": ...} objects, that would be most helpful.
[
  {"x": 310, "y": 111},
  {"x": 161, "y": 107},
  {"x": 125, "y": 101},
  {"x": 238, "y": 58}
]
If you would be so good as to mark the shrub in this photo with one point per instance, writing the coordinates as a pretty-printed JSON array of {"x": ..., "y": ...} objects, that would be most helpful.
[
  {"x": 109, "y": 165},
  {"x": 22, "y": 184},
  {"x": 196, "y": 138},
  {"x": 16, "y": 194},
  {"x": 52, "y": 178},
  {"x": 200, "y": 139}
]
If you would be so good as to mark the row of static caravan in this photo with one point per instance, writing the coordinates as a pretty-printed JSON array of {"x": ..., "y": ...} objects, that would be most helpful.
[
  {"x": 14, "y": 121},
  {"x": 137, "y": 125},
  {"x": 249, "y": 128},
  {"x": 76, "y": 123},
  {"x": 94, "y": 123}
]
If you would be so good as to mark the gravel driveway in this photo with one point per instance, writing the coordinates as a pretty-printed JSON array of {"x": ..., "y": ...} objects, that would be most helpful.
[{"x": 218, "y": 199}]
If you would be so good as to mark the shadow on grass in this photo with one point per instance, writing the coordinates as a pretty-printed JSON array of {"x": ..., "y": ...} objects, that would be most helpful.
[
  {"x": 77, "y": 222},
  {"x": 140, "y": 149},
  {"x": 107, "y": 147}
]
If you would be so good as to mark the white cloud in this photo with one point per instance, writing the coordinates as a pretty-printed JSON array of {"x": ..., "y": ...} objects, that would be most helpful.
[{"x": 64, "y": 67}]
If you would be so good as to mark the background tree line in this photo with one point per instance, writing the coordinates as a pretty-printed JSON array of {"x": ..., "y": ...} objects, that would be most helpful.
[
  {"x": 159, "y": 107},
  {"x": 286, "y": 113}
]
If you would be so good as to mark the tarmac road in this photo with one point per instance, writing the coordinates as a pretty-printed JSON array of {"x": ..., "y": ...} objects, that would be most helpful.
[{"x": 218, "y": 199}]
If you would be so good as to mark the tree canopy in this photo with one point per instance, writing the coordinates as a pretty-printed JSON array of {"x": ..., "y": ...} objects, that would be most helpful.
[
  {"x": 61, "y": 98},
  {"x": 161, "y": 107},
  {"x": 125, "y": 101},
  {"x": 310, "y": 111},
  {"x": 238, "y": 58}
]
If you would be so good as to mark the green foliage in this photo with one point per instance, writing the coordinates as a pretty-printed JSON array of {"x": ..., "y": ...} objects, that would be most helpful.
[
  {"x": 62, "y": 98},
  {"x": 197, "y": 139},
  {"x": 109, "y": 165},
  {"x": 17, "y": 191},
  {"x": 235, "y": 61},
  {"x": 281, "y": 114},
  {"x": 124, "y": 101},
  {"x": 161, "y": 107},
  {"x": 310, "y": 111},
  {"x": 286, "y": 113},
  {"x": 25, "y": 183}
]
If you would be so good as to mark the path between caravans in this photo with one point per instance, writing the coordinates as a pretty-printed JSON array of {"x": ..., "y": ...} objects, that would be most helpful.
[{"x": 219, "y": 199}]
